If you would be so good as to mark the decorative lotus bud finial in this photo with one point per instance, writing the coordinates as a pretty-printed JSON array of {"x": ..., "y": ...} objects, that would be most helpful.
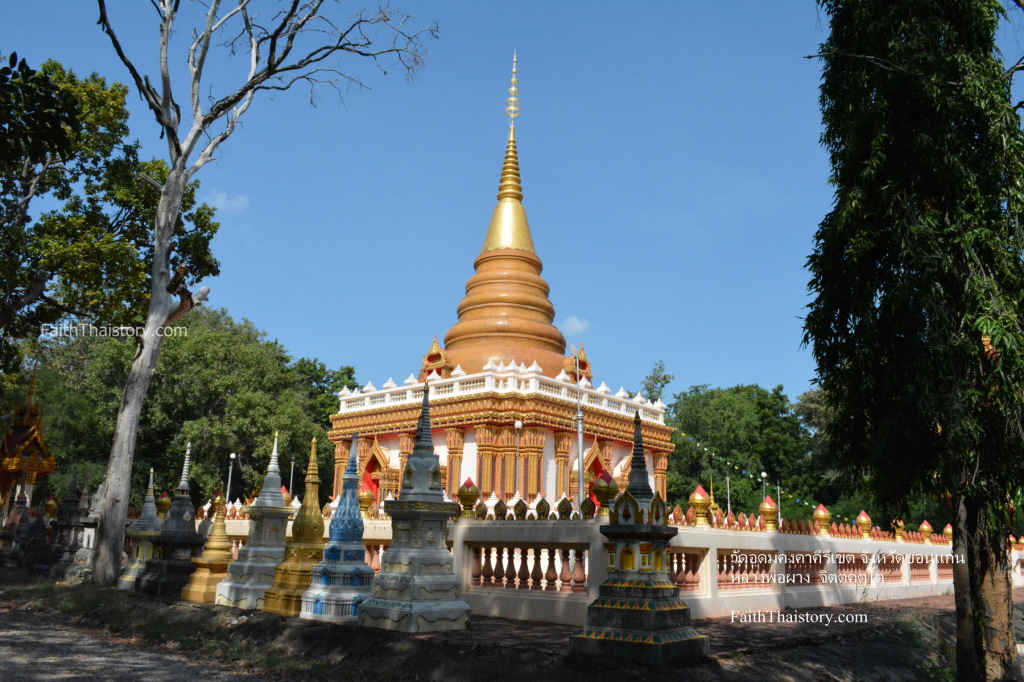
[
  {"x": 468, "y": 494},
  {"x": 274, "y": 467},
  {"x": 700, "y": 502},
  {"x": 512, "y": 103},
  {"x": 821, "y": 518},
  {"x": 864, "y": 523},
  {"x": 770, "y": 512}
]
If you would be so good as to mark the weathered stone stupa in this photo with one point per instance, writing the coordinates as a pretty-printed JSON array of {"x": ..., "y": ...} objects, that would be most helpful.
[
  {"x": 169, "y": 569},
  {"x": 416, "y": 589},
  {"x": 293, "y": 575},
  {"x": 252, "y": 572},
  {"x": 81, "y": 569},
  {"x": 67, "y": 528},
  {"x": 13, "y": 531},
  {"x": 343, "y": 579},
  {"x": 212, "y": 565},
  {"x": 142, "y": 531},
  {"x": 638, "y": 615}
]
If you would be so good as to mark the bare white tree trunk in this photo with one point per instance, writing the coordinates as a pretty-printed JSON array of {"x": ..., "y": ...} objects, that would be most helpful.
[
  {"x": 288, "y": 43},
  {"x": 162, "y": 307}
]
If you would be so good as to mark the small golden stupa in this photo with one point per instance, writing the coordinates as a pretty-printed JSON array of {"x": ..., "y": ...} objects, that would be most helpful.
[
  {"x": 293, "y": 576},
  {"x": 212, "y": 565}
]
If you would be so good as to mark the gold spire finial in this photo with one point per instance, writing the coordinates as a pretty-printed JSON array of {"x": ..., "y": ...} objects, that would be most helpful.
[{"x": 512, "y": 108}]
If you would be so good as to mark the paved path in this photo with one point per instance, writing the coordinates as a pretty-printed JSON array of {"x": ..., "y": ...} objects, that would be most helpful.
[{"x": 40, "y": 647}]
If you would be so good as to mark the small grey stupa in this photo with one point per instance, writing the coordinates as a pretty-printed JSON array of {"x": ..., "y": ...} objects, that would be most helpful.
[
  {"x": 343, "y": 579},
  {"x": 252, "y": 573},
  {"x": 141, "y": 531},
  {"x": 416, "y": 589},
  {"x": 169, "y": 569},
  {"x": 638, "y": 615}
]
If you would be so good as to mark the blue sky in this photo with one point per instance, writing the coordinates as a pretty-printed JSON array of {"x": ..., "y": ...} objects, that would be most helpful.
[{"x": 671, "y": 168}]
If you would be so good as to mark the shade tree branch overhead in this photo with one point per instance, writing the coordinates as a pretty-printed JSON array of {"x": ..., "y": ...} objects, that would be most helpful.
[{"x": 284, "y": 43}]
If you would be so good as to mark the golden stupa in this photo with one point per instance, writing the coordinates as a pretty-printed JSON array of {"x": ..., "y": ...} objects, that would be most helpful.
[
  {"x": 212, "y": 565},
  {"x": 502, "y": 364},
  {"x": 293, "y": 576}
]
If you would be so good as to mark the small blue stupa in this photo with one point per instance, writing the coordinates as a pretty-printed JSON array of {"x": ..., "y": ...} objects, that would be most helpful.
[{"x": 343, "y": 579}]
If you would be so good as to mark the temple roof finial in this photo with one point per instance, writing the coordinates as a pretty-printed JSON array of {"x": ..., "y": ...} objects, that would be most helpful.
[{"x": 512, "y": 103}]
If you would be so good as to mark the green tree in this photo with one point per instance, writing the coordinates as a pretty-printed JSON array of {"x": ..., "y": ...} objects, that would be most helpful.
[
  {"x": 222, "y": 386},
  {"x": 285, "y": 43},
  {"x": 739, "y": 432},
  {"x": 653, "y": 385},
  {"x": 918, "y": 282},
  {"x": 89, "y": 258}
]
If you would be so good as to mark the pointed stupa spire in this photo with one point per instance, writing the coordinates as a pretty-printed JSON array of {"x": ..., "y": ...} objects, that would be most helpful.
[
  {"x": 270, "y": 495},
  {"x": 509, "y": 228},
  {"x": 183, "y": 488},
  {"x": 147, "y": 520},
  {"x": 72, "y": 492},
  {"x": 421, "y": 481},
  {"x": 351, "y": 468},
  {"x": 309, "y": 522},
  {"x": 639, "y": 485},
  {"x": 506, "y": 314}
]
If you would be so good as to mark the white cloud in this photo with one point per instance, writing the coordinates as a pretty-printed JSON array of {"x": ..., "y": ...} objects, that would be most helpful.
[
  {"x": 573, "y": 326},
  {"x": 229, "y": 203}
]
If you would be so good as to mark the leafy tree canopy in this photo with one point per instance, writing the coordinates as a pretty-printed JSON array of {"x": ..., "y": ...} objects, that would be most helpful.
[
  {"x": 89, "y": 258},
  {"x": 739, "y": 431},
  {"x": 221, "y": 386}
]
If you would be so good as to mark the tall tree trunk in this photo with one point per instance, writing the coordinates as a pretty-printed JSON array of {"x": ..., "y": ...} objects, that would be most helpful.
[
  {"x": 114, "y": 508},
  {"x": 966, "y": 659},
  {"x": 988, "y": 650}
]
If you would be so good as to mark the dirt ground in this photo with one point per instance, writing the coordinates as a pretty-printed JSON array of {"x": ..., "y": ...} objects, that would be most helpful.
[{"x": 897, "y": 640}]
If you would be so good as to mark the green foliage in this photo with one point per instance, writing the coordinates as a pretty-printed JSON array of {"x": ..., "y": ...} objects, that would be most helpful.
[
  {"x": 921, "y": 257},
  {"x": 37, "y": 117},
  {"x": 89, "y": 258},
  {"x": 221, "y": 386},
  {"x": 653, "y": 385},
  {"x": 739, "y": 431}
]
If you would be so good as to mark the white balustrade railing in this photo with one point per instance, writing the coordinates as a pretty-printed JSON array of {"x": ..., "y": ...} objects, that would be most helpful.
[{"x": 511, "y": 380}]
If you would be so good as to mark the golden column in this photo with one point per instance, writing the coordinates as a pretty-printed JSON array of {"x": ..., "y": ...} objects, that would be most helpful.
[
  {"x": 486, "y": 448},
  {"x": 456, "y": 438},
  {"x": 341, "y": 449},
  {"x": 405, "y": 443},
  {"x": 293, "y": 576},
  {"x": 563, "y": 444},
  {"x": 660, "y": 473},
  {"x": 531, "y": 454},
  {"x": 507, "y": 445}
]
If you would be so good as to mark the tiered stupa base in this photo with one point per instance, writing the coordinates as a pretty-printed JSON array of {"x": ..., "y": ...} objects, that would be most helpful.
[
  {"x": 416, "y": 589},
  {"x": 292, "y": 578},
  {"x": 638, "y": 615},
  {"x": 142, "y": 551},
  {"x": 167, "y": 576},
  {"x": 337, "y": 591},
  {"x": 202, "y": 584},
  {"x": 249, "y": 577}
]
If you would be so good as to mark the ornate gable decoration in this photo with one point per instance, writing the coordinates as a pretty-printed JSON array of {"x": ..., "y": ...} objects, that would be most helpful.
[
  {"x": 584, "y": 366},
  {"x": 437, "y": 360}
]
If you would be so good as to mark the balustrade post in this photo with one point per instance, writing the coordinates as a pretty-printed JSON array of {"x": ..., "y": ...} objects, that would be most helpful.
[
  {"x": 487, "y": 574},
  {"x": 510, "y": 569},
  {"x": 565, "y": 575},
  {"x": 550, "y": 575},
  {"x": 579, "y": 575},
  {"x": 475, "y": 570},
  {"x": 499, "y": 568},
  {"x": 524, "y": 571}
]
